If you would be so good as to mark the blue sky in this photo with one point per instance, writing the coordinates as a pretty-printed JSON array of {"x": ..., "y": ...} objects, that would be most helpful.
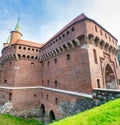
[{"x": 41, "y": 19}]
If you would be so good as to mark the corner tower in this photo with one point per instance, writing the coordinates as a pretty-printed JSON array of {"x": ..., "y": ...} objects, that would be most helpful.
[{"x": 15, "y": 34}]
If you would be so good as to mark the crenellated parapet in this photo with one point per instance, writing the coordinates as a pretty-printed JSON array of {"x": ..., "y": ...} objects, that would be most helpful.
[{"x": 61, "y": 49}]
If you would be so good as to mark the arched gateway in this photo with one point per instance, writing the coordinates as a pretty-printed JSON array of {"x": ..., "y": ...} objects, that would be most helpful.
[
  {"x": 110, "y": 80},
  {"x": 51, "y": 116},
  {"x": 42, "y": 110}
]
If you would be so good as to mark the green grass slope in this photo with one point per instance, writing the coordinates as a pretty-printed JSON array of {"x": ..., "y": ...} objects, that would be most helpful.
[
  {"x": 107, "y": 114},
  {"x": 11, "y": 120}
]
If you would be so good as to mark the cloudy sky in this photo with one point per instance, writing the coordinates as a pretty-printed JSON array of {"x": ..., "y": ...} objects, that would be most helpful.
[{"x": 40, "y": 19}]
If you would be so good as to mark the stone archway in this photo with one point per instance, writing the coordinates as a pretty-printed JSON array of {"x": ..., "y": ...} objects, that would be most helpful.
[
  {"x": 51, "y": 116},
  {"x": 42, "y": 112},
  {"x": 110, "y": 81}
]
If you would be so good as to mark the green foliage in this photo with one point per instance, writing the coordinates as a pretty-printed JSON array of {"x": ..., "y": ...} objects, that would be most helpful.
[
  {"x": 12, "y": 120},
  {"x": 107, "y": 114}
]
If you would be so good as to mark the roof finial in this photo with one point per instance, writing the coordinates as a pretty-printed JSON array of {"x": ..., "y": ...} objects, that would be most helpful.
[{"x": 17, "y": 27}]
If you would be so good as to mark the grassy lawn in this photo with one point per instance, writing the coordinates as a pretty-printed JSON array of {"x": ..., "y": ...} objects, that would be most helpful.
[
  {"x": 11, "y": 120},
  {"x": 107, "y": 114}
]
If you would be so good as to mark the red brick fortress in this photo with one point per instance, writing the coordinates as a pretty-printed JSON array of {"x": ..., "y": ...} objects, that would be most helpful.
[{"x": 76, "y": 60}]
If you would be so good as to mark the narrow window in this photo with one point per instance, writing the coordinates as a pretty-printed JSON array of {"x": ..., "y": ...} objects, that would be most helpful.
[
  {"x": 116, "y": 63},
  {"x": 36, "y": 50},
  {"x": 10, "y": 96},
  {"x": 19, "y": 47},
  {"x": 32, "y": 64},
  {"x": 109, "y": 38},
  {"x": 41, "y": 95},
  {"x": 24, "y": 48},
  {"x": 48, "y": 82},
  {"x": 28, "y": 48},
  {"x": 32, "y": 49},
  {"x": 101, "y": 32},
  {"x": 96, "y": 28},
  {"x": 36, "y": 57},
  {"x": 59, "y": 38},
  {"x": 56, "y": 100},
  {"x": 32, "y": 57},
  {"x": 98, "y": 83},
  {"x": 73, "y": 29},
  {"x": 47, "y": 97},
  {"x": 119, "y": 82},
  {"x": 67, "y": 32},
  {"x": 10, "y": 63},
  {"x": 95, "y": 55},
  {"x": 63, "y": 35},
  {"x": 5, "y": 81},
  {"x": 34, "y": 95},
  {"x": 55, "y": 60},
  {"x": 42, "y": 82},
  {"x": 23, "y": 56},
  {"x": 68, "y": 56},
  {"x": 119, "y": 62},
  {"x": 28, "y": 57},
  {"x": 48, "y": 63},
  {"x": 113, "y": 41},
  {"x": 55, "y": 83},
  {"x": 105, "y": 35}
]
